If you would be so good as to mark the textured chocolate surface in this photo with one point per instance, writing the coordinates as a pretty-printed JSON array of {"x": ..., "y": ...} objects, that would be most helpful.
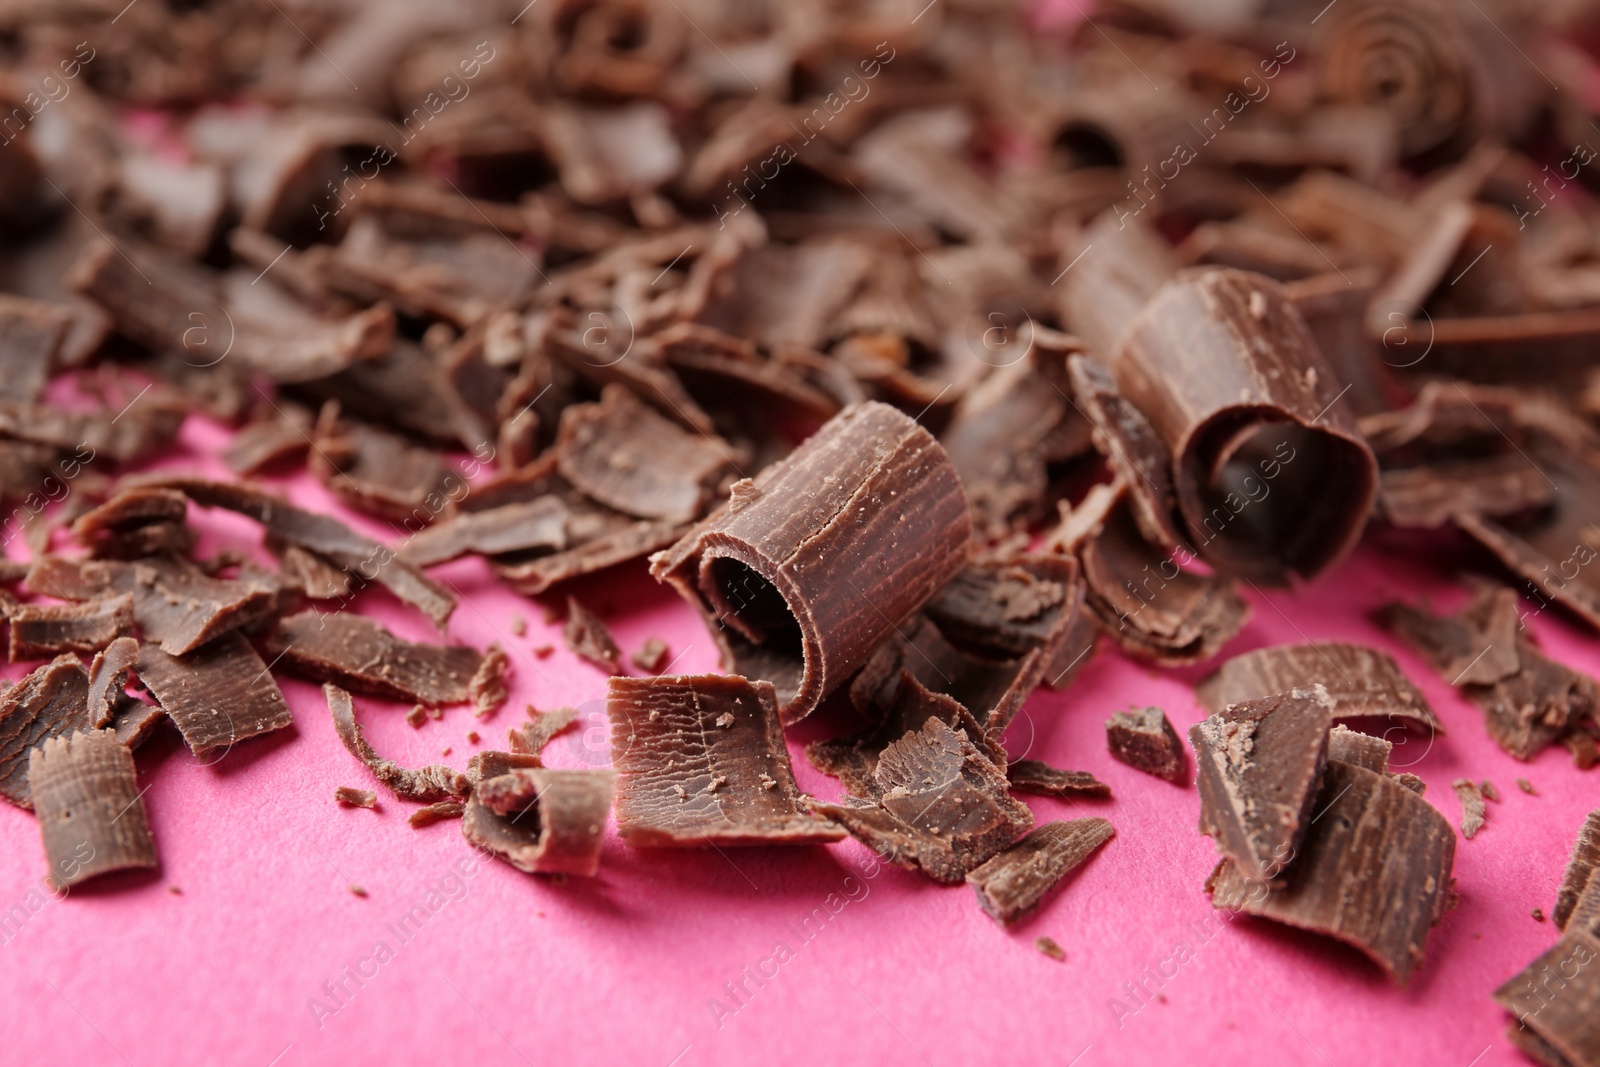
[
  {"x": 90, "y": 810},
  {"x": 1015, "y": 881},
  {"x": 217, "y": 695}
]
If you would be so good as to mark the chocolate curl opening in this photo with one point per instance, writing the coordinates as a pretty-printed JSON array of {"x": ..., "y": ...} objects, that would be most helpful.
[{"x": 1273, "y": 478}]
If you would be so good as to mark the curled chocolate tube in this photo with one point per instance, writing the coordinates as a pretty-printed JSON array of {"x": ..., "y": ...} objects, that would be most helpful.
[{"x": 807, "y": 568}]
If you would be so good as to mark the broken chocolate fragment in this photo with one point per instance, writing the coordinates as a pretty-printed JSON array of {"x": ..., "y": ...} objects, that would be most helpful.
[
  {"x": 217, "y": 695},
  {"x": 525, "y": 526},
  {"x": 1260, "y": 764},
  {"x": 1133, "y": 450},
  {"x": 531, "y": 737},
  {"x": 108, "y": 679},
  {"x": 1008, "y": 607},
  {"x": 361, "y": 654},
  {"x": 1555, "y": 1013},
  {"x": 52, "y": 700},
  {"x": 355, "y": 798},
  {"x": 39, "y": 630},
  {"x": 588, "y": 639},
  {"x": 651, "y": 656},
  {"x": 1362, "y": 750},
  {"x": 487, "y": 689},
  {"x": 1472, "y": 806},
  {"x": 785, "y": 580},
  {"x": 91, "y": 811},
  {"x": 437, "y": 812},
  {"x": 1579, "y": 873},
  {"x": 1013, "y": 883},
  {"x": 426, "y": 784},
  {"x": 1475, "y": 646},
  {"x": 564, "y": 818},
  {"x": 1144, "y": 739},
  {"x": 1048, "y": 947},
  {"x": 703, "y": 762},
  {"x": 1364, "y": 682},
  {"x": 1041, "y": 779}
]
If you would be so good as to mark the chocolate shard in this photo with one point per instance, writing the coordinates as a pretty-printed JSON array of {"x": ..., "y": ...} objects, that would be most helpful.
[
  {"x": 1557, "y": 1029},
  {"x": 1362, "y": 750},
  {"x": 108, "y": 679},
  {"x": 39, "y": 630},
  {"x": 1259, "y": 764},
  {"x": 1578, "y": 875},
  {"x": 487, "y": 689},
  {"x": 492, "y": 764},
  {"x": 425, "y": 784},
  {"x": 51, "y": 701},
  {"x": 784, "y": 578},
  {"x": 1433, "y": 494},
  {"x": 91, "y": 812},
  {"x": 1005, "y": 608},
  {"x": 1475, "y": 646},
  {"x": 526, "y": 526},
  {"x": 362, "y": 655},
  {"x": 308, "y": 572},
  {"x": 651, "y": 656},
  {"x": 437, "y": 812},
  {"x": 1041, "y": 779},
  {"x": 1133, "y": 450},
  {"x": 382, "y": 473},
  {"x": 217, "y": 695},
  {"x": 1014, "y": 882},
  {"x": 135, "y": 721},
  {"x": 1373, "y": 870},
  {"x": 350, "y": 797},
  {"x": 565, "y": 818},
  {"x": 1365, "y": 683},
  {"x": 588, "y": 639},
  {"x": 531, "y": 737},
  {"x": 702, "y": 762},
  {"x": 280, "y": 440},
  {"x": 944, "y": 808},
  {"x": 1472, "y": 806},
  {"x": 1144, "y": 739},
  {"x": 626, "y": 456},
  {"x": 322, "y": 534},
  {"x": 31, "y": 332},
  {"x": 175, "y": 604}
]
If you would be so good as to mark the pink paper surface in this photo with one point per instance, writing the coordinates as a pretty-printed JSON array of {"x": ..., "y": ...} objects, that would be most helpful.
[{"x": 226, "y": 954}]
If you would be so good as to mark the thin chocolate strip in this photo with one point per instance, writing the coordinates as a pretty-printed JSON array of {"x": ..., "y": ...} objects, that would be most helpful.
[
  {"x": 361, "y": 654},
  {"x": 1260, "y": 764},
  {"x": 565, "y": 819},
  {"x": 1364, "y": 682},
  {"x": 438, "y": 812},
  {"x": 281, "y": 439},
  {"x": 588, "y": 638},
  {"x": 135, "y": 721},
  {"x": 1144, "y": 739},
  {"x": 702, "y": 762},
  {"x": 381, "y": 473},
  {"x": 784, "y": 578},
  {"x": 91, "y": 812},
  {"x": 322, "y": 534},
  {"x": 1006, "y": 608},
  {"x": 487, "y": 688},
  {"x": 1433, "y": 494},
  {"x": 39, "y": 630},
  {"x": 540, "y": 523},
  {"x": 1013, "y": 883},
  {"x": 351, "y": 797},
  {"x": 308, "y": 572},
  {"x": 1041, "y": 779},
  {"x": 1475, "y": 646},
  {"x": 425, "y": 784},
  {"x": 1579, "y": 872},
  {"x": 1133, "y": 450},
  {"x": 108, "y": 679},
  {"x": 52, "y": 700},
  {"x": 1373, "y": 870},
  {"x": 217, "y": 695},
  {"x": 943, "y": 806}
]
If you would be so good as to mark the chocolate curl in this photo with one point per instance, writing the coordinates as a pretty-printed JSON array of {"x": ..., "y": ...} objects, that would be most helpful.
[
  {"x": 807, "y": 569},
  {"x": 1273, "y": 478}
]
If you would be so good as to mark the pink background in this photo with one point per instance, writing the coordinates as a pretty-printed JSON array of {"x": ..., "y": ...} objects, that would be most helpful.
[{"x": 625, "y": 968}]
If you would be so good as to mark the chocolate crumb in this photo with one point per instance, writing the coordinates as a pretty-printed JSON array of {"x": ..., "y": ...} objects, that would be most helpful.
[
  {"x": 357, "y": 891},
  {"x": 651, "y": 656},
  {"x": 519, "y": 625},
  {"x": 355, "y": 798},
  {"x": 1048, "y": 947},
  {"x": 472, "y": 736},
  {"x": 1472, "y": 807},
  {"x": 1538, "y": 915},
  {"x": 417, "y": 715},
  {"x": 1527, "y": 787},
  {"x": 543, "y": 651},
  {"x": 1488, "y": 790},
  {"x": 1144, "y": 739},
  {"x": 488, "y": 686}
]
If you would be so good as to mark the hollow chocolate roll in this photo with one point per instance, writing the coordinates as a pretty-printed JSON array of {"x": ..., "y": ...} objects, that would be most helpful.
[
  {"x": 1273, "y": 478},
  {"x": 807, "y": 568}
]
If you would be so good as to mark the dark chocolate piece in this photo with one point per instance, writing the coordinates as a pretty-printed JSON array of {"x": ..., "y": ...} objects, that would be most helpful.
[
  {"x": 785, "y": 579},
  {"x": 381, "y": 473},
  {"x": 1133, "y": 450},
  {"x": 1555, "y": 1013},
  {"x": 1364, "y": 682},
  {"x": 565, "y": 819},
  {"x": 531, "y": 737},
  {"x": 1259, "y": 765},
  {"x": 540, "y": 523},
  {"x": 1006, "y": 608},
  {"x": 425, "y": 784},
  {"x": 351, "y": 797},
  {"x": 108, "y": 679},
  {"x": 1014, "y": 882},
  {"x": 52, "y": 700},
  {"x": 1433, "y": 494},
  {"x": 588, "y": 639},
  {"x": 1475, "y": 646},
  {"x": 1472, "y": 806},
  {"x": 1373, "y": 870},
  {"x": 487, "y": 689},
  {"x": 437, "y": 812},
  {"x": 361, "y": 654},
  {"x": 651, "y": 656},
  {"x": 133, "y": 506},
  {"x": 1041, "y": 779},
  {"x": 91, "y": 812},
  {"x": 1362, "y": 750},
  {"x": 1578, "y": 875},
  {"x": 308, "y": 572},
  {"x": 281, "y": 439},
  {"x": 1144, "y": 740},
  {"x": 217, "y": 695},
  {"x": 40, "y": 630},
  {"x": 135, "y": 721},
  {"x": 702, "y": 762},
  {"x": 30, "y": 334}
]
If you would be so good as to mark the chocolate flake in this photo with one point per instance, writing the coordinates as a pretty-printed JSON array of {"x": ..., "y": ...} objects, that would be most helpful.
[
  {"x": 525, "y": 526},
  {"x": 52, "y": 700},
  {"x": 1041, "y": 779},
  {"x": 361, "y": 654},
  {"x": 1364, "y": 682},
  {"x": 437, "y": 812},
  {"x": 1579, "y": 872},
  {"x": 488, "y": 685},
  {"x": 1144, "y": 739},
  {"x": 108, "y": 679},
  {"x": 355, "y": 798},
  {"x": 1013, "y": 883},
  {"x": 686, "y": 783},
  {"x": 1048, "y": 947},
  {"x": 1472, "y": 806},
  {"x": 1527, "y": 787},
  {"x": 541, "y": 727},
  {"x": 563, "y": 817},
  {"x": 91, "y": 812},
  {"x": 39, "y": 630},
  {"x": 425, "y": 784},
  {"x": 588, "y": 639},
  {"x": 1362, "y": 750},
  {"x": 651, "y": 656},
  {"x": 1475, "y": 646},
  {"x": 217, "y": 695}
]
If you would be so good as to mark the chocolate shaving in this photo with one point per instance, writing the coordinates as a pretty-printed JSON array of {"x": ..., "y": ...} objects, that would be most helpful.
[
  {"x": 30, "y": 335},
  {"x": 217, "y": 695},
  {"x": 91, "y": 812},
  {"x": 651, "y": 656},
  {"x": 784, "y": 579},
  {"x": 362, "y": 655},
  {"x": 565, "y": 818},
  {"x": 108, "y": 679},
  {"x": 425, "y": 784},
  {"x": 51, "y": 701},
  {"x": 1364, "y": 682},
  {"x": 311, "y": 574},
  {"x": 135, "y": 721},
  {"x": 588, "y": 639},
  {"x": 1133, "y": 449},
  {"x": 439, "y": 812},
  {"x": 1144, "y": 739},
  {"x": 279, "y": 440},
  {"x": 1361, "y": 750},
  {"x": 40, "y": 630},
  {"x": 1475, "y": 646},
  {"x": 540, "y": 523},
  {"x": 1260, "y": 764},
  {"x": 488, "y": 685},
  {"x": 382, "y": 474},
  {"x": 355, "y": 798},
  {"x": 702, "y": 762},
  {"x": 1433, "y": 494},
  {"x": 1372, "y": 870},
  {"x": 1555, "y": 1022},
  {"x": 1014, "y": 882},
  {"x": 1472, "y": 806},
  {"x": 531, "y": 737},
  {"x": 1578, "y": 878},
  {"x": 1008, "y": 607},
  {"x": 1041, "y": 779}
]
